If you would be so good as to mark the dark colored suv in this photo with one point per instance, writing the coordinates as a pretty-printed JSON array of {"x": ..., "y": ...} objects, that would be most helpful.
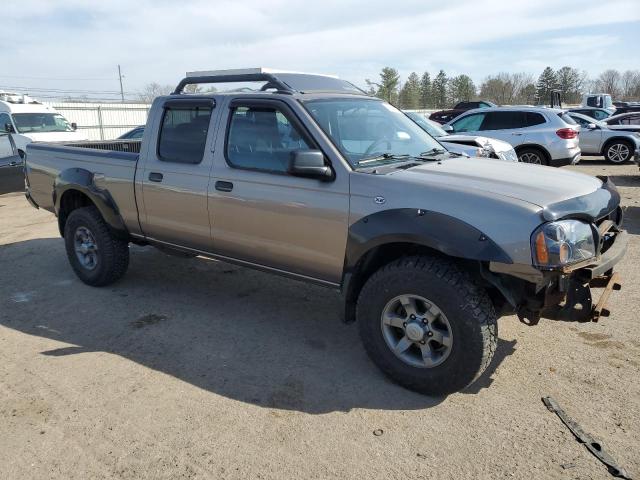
[{"x": 444, "y": 116}]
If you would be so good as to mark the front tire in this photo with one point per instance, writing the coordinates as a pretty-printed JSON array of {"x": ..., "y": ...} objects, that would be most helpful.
[
  {"x": 618, "y": 151},
  {"x": 532, "y": 155},
  {"x": 426, "y": 325},
  {"x": 97, "y": 257}
]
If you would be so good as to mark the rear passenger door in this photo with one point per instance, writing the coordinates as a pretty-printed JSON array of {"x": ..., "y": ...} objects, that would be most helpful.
[
  {"x": 261, "y": 214},
  {"x": 175, "y": 175},
  {"x": 507, "y": 126}
]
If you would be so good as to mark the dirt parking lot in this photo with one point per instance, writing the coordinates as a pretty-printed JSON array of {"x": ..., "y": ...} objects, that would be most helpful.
[{"x": 198, "y": 369}]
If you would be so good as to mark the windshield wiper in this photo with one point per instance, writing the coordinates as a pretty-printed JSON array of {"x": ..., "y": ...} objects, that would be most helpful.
[
  {"x": 384, "y": 156},
  {"x": 433, "y": 151}
]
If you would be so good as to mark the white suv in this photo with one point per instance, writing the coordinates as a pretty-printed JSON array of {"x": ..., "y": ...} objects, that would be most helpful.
[
  {"x": 31, "y": 121},
  {"x": 545, "y": 136}
]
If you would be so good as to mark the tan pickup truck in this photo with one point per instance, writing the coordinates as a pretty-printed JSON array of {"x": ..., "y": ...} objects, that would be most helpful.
[{"x": 306, "y": 176}]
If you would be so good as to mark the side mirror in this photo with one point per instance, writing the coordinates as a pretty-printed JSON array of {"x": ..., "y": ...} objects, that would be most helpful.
[
  {"x": 309, "y": 164},
  {"x": 74, "y": 126},
  {"x": 447, "y": 128},
  {"x": 592, "y": 126},
  {"x": 8, "y": 127}
]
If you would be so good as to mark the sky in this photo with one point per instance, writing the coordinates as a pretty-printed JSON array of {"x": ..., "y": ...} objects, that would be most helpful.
[{"x": 76, "y": 45}]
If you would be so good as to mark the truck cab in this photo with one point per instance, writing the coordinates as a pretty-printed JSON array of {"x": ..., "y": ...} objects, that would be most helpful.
[
  {"x": 30, "y": 121},
  {"x": 598, "y": 100}
]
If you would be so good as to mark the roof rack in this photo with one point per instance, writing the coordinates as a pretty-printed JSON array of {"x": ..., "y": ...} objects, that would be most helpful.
[{"x": 279, "y": 80}]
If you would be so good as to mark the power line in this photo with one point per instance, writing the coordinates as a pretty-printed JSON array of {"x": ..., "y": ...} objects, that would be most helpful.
[
  {"x": 55, "y": 78},
  {"x": 60, "y": 90}
]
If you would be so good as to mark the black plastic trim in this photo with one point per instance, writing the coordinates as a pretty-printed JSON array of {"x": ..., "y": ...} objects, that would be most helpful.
[
  {"x": 438, "y": 231},
  {"x": 81, "y": 180}
]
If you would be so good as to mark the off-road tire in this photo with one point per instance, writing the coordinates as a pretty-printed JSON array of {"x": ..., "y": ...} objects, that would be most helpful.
[
  {"x": 630, "y": 149},
  {"x": 529, "y": 152},
  {"x": 467, "y": 307},
  {"x": 112, "y": 252}
]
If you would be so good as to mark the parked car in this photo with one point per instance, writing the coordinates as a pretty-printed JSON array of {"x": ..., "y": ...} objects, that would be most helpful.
[
  {"x": 471, "y": 145},
  {"x": 11, "y": 166},
  {"x": 593, "y": 112},
  {"x": 596, "y": 138},
  {"x": 629, "y": 108},
  {"x": 134, "y": 134},
  {"x": 539, "y": 135},
  {"x": 598, "y": 100},
  {"x": 629, "y": 122},
  {"x": 311, "y": 178},
  {"x": 31, "y": 121},
  {"x": 444, "y": 116}
]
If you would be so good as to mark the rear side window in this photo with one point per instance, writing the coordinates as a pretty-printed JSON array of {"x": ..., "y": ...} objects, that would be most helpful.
[
  {"x": 532, "y": 119},
  {"x": 262, "y": 138},
  {"x": 4, "y": 119},
  {"x": 470, "y": 123},
  {"x": 504, "y": 120},
  {"x": 567, "y": 119},
  {"x": 183, "y": 133}
]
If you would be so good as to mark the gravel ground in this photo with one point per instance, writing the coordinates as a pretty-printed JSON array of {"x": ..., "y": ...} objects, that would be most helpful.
[{"x": 198, "y": 369}]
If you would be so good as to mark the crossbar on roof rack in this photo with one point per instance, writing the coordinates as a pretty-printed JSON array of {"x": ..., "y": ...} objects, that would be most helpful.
[{"x": 232, "y": 76}]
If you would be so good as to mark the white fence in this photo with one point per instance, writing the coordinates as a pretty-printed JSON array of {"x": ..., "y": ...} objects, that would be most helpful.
[{"x": 103, "y": 121}]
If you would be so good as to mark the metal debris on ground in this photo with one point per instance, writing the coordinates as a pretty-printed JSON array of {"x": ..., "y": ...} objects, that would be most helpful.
[
  {"x": 593, "y": 445},
  {"x": 378, "y": 432}
]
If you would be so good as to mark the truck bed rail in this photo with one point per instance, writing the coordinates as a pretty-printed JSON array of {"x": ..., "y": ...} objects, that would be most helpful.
[{"x": 130, "y": 146}]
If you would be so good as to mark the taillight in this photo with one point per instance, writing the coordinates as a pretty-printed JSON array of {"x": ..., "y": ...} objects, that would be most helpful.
[{"x": 567, "y": 133}]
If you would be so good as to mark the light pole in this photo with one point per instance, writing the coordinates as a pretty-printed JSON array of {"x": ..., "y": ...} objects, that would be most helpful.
[{"x": 120, "y": 76}]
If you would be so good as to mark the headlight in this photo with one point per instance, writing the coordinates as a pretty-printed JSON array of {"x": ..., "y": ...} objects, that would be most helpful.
[{"x": 561, "y": 243}]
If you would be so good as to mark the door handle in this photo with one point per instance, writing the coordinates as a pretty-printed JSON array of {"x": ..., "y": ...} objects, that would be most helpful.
[
  {"x": 155, "y": 177},
  {"x": 224, "y": 186}
]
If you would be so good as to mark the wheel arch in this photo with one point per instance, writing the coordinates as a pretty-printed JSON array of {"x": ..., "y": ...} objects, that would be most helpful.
[
  {"x": 534, "y": 146},
  {"x": 75, "y": 188},
  {"x": 611, "y": 140},
  {"x": 385, "y": 236}
]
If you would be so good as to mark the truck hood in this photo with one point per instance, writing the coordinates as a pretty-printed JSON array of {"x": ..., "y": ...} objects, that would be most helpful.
[{"x": 535, "y": 184}]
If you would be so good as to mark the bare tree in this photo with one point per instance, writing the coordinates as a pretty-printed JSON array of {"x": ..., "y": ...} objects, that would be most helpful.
[
  {"x": 508, "y": 88},
  {"x": 609, "y": 82},
  {"x": 630, "y": 84},
  {"x": 153, "y": 90}
]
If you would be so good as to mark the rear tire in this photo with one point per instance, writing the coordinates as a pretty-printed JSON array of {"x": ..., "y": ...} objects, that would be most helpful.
[
  {"x": 532, "y": 155},
  {"x": 618, "y": 151},
  {"x": 97, "y": 257},
  {"x": 453, "y": 330}
]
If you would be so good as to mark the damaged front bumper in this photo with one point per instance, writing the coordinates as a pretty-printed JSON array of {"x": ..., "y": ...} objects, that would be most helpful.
[{"x": 568, "y": 296}]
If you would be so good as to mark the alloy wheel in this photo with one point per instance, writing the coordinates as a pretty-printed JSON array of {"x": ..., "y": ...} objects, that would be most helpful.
[
  {"x": 618, "y": 153},
  {"x": 86, "y": 248},
  {"x": 416, "y": 331},
  {"x": 530, "y": 157}
]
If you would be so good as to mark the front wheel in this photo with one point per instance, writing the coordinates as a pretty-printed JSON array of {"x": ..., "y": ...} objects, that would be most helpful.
[
  {"x": 426, "y": 325},
  {"x": 532, "y": 155},
  {"x": 96, "y": 255},
  {"x": 618, "y": 151}
]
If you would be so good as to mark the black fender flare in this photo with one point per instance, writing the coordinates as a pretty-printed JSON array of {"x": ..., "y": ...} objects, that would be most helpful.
[
  {"x": 82, "y": 180},
  {"x": 438, "y": 231}
]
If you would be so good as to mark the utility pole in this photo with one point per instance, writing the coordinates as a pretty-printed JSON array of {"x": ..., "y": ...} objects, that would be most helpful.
[{"x": 120, "y": 78}]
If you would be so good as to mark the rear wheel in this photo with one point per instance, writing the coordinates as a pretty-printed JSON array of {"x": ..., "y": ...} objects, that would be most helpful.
[
  {"x": 618, "y": 151},
  {"x": 532, "y": 155},
  {"x": 95, "y": 254},
  {"x": 426, "y": 325}
]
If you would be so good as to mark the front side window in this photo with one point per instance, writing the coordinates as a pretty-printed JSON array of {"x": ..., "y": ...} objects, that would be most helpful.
[
  {"x": 470, "y": 123},
  {"x": 41, "y": 122},
  {"x": 262, "y": 138},
  {"x": 367, "y": 128},
  {"x": 183, "y": 133},
  {"x": 600, "y": 114}
]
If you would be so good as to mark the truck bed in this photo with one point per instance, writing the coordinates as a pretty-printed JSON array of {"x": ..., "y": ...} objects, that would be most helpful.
[{"x": 112, "y": 164}]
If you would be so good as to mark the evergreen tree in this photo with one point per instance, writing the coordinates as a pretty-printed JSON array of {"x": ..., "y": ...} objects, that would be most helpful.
[
  {"x": 439, "y": 90},
  {"x": 426, "y": 100},
  {"x": 410, "y": 93},
  {"x": 547, "y": 82},
  {"x": 461, "y": 89},
  {"x": 387, "y": 89}
]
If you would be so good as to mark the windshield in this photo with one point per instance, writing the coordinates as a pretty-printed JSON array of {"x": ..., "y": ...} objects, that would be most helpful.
[
  {"x": 432, "y": 128},
  {"x": 41, "y": 122},
  {"x": 366, "y": 128}
]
